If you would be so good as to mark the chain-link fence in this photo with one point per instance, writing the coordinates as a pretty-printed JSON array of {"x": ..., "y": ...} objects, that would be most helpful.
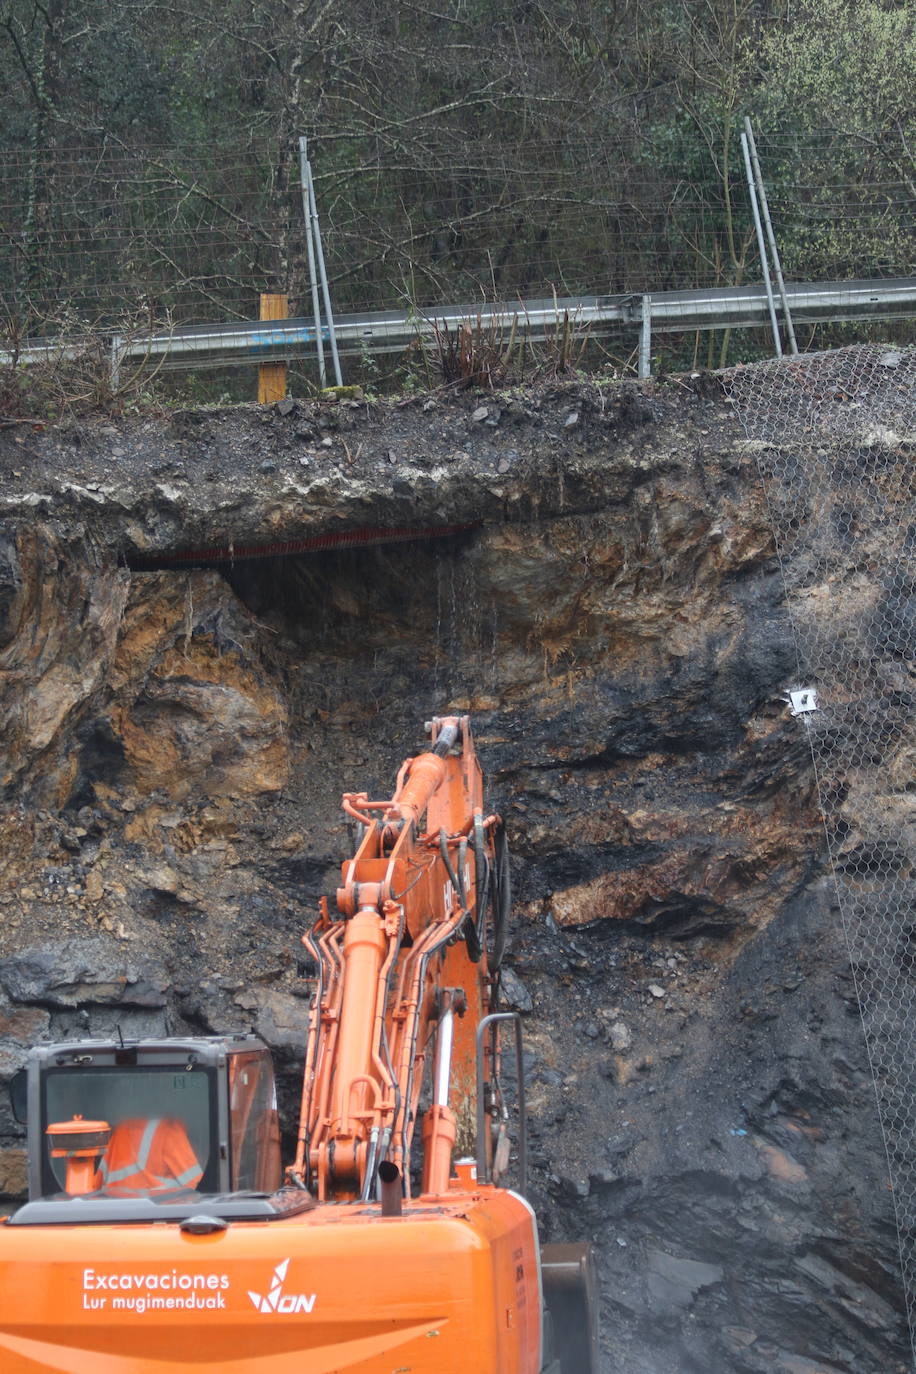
[{"x": 836, "y": 440}]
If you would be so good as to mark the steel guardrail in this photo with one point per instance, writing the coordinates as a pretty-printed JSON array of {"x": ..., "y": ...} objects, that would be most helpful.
[{"x": 374, "y": 332}]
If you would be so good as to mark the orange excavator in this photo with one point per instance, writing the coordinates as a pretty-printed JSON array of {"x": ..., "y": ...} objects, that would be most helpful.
[{"x": 161, "y": 1232}]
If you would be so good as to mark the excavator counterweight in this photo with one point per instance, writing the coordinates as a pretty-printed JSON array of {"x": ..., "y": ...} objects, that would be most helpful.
[{"x": 162, "y": 1233}]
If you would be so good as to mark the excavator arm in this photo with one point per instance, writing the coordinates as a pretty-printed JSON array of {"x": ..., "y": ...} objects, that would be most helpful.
[{"x": 405, "y": 964}]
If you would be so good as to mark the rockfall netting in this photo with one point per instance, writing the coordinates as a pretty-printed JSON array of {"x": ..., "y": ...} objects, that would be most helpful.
[{"x": 835, "y": 438}]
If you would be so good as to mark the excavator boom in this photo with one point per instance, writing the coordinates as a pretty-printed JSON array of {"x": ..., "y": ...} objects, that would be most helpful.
[{"x": 402, "y": 964}]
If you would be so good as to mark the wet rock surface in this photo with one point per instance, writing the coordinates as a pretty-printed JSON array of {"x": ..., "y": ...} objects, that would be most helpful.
[{"x": 176, "y": 740}]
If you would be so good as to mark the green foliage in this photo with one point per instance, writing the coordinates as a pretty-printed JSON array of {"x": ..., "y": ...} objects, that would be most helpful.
[
  {"x": 837, "y": 87},
  {"x": 846, "y": 65}
]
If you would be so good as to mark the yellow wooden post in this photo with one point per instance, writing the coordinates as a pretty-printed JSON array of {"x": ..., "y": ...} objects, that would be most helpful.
[{"x": 272, "y": 376}]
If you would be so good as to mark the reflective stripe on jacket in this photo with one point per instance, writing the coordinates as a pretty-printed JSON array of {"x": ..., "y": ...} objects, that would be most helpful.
[{"x": 146, "y": 1155}]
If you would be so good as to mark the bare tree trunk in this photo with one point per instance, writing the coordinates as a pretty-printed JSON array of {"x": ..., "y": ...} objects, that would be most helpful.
[{"x": 38, "y": 53}]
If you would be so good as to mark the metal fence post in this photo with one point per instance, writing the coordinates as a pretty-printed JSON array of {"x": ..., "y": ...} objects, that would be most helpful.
[
  {"x": 761, "y": 245},
  {"x": 310, "y": 247},
  {"x": 322, "y": 271},
  {"x": 771, "y": 237}
]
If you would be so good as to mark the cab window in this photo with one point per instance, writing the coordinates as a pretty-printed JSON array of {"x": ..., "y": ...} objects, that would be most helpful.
[
  {"x": 254, "y": 1125},
  {"x": 158, "y": 1105}
]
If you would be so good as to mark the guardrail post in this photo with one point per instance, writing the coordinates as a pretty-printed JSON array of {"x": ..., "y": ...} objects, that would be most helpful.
[
  {"x": 645, "y": 338},
  {"x": 272, "y": 376},
  {"x": 115, "y": 362}
]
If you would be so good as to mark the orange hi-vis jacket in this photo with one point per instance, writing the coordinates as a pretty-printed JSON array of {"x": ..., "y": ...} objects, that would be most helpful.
[{"x": 148, "y": 1155}]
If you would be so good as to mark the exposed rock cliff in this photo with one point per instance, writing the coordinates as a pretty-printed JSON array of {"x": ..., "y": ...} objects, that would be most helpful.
[{"x": 176, "y": 739}]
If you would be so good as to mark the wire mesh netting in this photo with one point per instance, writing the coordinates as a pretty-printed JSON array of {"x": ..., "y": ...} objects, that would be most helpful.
[
  {"x": 100, "y": 232},
  {"x": 836, "y": 441},
  {"x": 195, "y": 232}
]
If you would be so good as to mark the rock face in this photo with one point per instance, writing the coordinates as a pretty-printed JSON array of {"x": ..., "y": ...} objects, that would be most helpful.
[
  {"x": 196, "y": 711},
  {"x": 62, "y": 615},
  {"x": 176, "y": 740}
]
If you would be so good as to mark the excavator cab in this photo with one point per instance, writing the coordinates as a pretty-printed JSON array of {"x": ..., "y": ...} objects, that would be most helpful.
[{"x": 151, "y": 1119}]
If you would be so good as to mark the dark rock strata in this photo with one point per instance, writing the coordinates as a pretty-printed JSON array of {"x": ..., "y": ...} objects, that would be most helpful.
[{"x": 176, "y": 739}]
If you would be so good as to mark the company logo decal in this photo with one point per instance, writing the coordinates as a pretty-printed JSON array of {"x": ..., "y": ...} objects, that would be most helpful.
[{"x": 278, "y": 1301}]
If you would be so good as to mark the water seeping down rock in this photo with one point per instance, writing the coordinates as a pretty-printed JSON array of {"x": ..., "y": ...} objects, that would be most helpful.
[{"x": 176, "y": 737}]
